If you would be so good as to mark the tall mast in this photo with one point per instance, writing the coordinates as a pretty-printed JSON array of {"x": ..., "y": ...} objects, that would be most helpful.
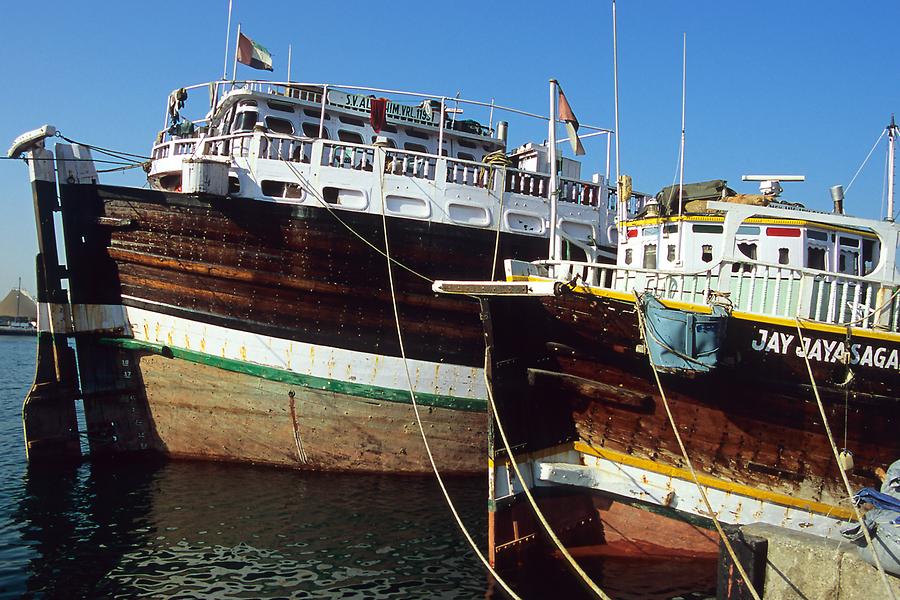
[
  {"x": 622, "y": 202},
  {"x": 227, "y": 42},
  {"x": 18, "y": 297},
  {"x": 892, "y": 130},
  {"x": 681, "y": 152},
  {"x": 552, "y": 188}
]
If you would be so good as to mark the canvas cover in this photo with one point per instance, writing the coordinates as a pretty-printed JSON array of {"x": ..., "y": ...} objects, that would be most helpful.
[{"x": 715, "y": 189}]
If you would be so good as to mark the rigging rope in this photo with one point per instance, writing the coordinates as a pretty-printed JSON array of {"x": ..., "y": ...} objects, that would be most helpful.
[
  {"x": 415, "y": 405},
  {"x": 834, "y": 450},
  {"x": 868, "y": 156},
  {"x": 643, "y": 332}
]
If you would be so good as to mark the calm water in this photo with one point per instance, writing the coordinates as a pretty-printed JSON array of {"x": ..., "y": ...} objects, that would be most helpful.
[{"x": 207, "y": 530}]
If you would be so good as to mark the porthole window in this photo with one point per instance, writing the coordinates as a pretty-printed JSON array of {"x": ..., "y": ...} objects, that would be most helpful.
[{"x": 629, "y": 256}]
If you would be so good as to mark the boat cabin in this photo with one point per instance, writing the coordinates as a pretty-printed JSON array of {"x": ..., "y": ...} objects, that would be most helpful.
[{"x": 696, "y": 239}]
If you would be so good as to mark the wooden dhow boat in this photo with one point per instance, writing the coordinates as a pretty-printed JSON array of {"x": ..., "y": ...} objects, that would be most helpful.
[
  {"x": 241, "y": 309},
  {"x": 730, "y": 324}
]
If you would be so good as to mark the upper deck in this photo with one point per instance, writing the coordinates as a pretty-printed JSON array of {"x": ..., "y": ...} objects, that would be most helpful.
[{"x": 315, "y": 143}]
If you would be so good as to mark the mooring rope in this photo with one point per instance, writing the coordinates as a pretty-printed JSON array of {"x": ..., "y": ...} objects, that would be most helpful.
[
  {"x": 574, "y": 566},
  {"x": 643, "y": 332},
  {"x": 837, "y": 459},
  {"x": 412, "y": 395}
]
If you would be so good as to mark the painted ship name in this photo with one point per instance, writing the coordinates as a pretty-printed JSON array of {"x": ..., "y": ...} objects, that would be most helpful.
[{"x": 830, "y": 351}]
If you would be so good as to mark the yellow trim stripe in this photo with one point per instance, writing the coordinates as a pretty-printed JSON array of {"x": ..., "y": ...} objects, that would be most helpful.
[
  {"x": 726, "y": 486},
  {"x": 887, "y": 336}
]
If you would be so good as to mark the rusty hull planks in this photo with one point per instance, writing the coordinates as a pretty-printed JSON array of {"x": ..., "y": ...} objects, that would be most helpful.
[{"x": 199, "y": 411}]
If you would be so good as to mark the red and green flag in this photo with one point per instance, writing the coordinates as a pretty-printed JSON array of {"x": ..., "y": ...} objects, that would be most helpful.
[{"x": 253, "y": 55}]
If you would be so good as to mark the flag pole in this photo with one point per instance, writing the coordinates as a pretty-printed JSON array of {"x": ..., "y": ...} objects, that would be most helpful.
[
  {"x": 237, "y": 43},
  {"x": 552, "y": 187},
  {"x": 227, "y": 42},
  {"x": 289, "y": 63}
]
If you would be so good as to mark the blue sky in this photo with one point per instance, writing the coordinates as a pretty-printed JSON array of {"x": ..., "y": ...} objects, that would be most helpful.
[{"x": 789, "y": 87}]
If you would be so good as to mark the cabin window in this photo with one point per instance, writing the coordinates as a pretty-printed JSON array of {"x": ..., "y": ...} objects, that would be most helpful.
[
  {"x": 848, "y": 262},
  {"x": 747, "y": 249},
  {"x": 707, "y": 228},
  {"x": 466, "y": 143},
  {"x": 417, "y": 134},
  {"x": 311, "y": 130},
  {"x": 245, "y": 121},
  {"x": 349, "y": 136},
  {"x": 415, "y": 147},
  {"x": 815, "y": 258},
  {"x": 650, "y": 256},
  {"x": 280, "y": 125},
  {"x": 315, "y": 114},
  {"x": 868, "y": 256},
  {"x": 465, "y": 156},
  {"x": 784, "y": 256},
  {"x": 670, "y": 253},
  {"x": 670, "y": 228},
  {"x": 706, "y": 253},
  {"x": 282, "y": 106},
  {"x": 388, "y": 129},
  {"x": 352, "y": 121},
  {"x": 629, "y": 256},
  {"x": 817, "y": 235}
]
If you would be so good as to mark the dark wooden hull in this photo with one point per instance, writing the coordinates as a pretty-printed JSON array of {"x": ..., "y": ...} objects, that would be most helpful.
[
  {"x": 566, "y": 370},
  {"x": 273, "y": 271}
]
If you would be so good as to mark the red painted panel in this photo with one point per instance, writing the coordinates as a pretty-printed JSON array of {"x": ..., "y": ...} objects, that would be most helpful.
[
  {"x": 783, "y": 231},
  {"x": 631, "y": 233}
]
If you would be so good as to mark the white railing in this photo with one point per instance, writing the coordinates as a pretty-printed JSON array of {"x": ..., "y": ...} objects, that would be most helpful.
[
  {"x": 410, "y": 164},
  {"x": 343, "y": 155},
  {"x": 466, "y": 172},
  {"x": 527, "y": 183},
  {"x": 285, "y": 147},
  {"x": 757, "y": 288}
]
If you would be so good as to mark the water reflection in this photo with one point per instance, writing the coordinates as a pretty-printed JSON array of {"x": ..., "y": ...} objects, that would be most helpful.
[{"x": 204, "y": 529}]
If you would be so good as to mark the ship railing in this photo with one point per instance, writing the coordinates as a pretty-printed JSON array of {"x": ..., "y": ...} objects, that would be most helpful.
[
  {"x": 754, "y": 288},
  {"x": 285, "y": 147},
  {"x": 467, "y": 172},
  {"x": 527, "y": 183},
  {"x": 345, "y": 155},
  {"x": 407, "y": 163}
]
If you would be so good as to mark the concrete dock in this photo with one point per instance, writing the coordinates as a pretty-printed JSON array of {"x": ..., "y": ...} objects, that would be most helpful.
[{"x": 789, "y": 565}]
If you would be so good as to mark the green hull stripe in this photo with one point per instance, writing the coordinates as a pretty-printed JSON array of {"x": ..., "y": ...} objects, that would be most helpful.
[{"x": 308, "y": 381}]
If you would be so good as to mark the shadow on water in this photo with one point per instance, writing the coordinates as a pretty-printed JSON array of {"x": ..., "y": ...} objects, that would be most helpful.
[{"x": 203, "y": 529}]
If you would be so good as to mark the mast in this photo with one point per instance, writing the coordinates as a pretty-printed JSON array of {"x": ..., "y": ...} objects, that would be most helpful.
[
  {"x": 622, "y": 202},
  {"x": 892, "y": 130},
  {"x": 18, "y": 298},
  {"x": 681, "y": 152},
  {"x": 227, "y": 42},
  {"x": 552, "y": 187}
]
